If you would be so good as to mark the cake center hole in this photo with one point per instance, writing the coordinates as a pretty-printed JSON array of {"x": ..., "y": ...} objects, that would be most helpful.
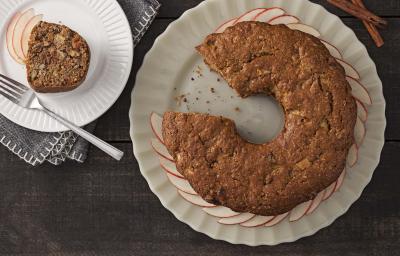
[{"x": 261, "y": 119}]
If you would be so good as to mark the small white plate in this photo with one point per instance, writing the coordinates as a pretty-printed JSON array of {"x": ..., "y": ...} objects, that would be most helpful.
[
  {"x": 167, "y": 73},
  {"x": 105, "y": 27}
]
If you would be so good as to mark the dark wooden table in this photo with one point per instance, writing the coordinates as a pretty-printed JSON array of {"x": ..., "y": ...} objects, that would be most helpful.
[{"x": 105, "y": 207}]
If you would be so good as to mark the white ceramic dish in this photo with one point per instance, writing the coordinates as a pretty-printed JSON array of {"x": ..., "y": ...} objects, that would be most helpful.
[
  {"x": 105, "y": 27},
  {"x": 167, "y": 73}
]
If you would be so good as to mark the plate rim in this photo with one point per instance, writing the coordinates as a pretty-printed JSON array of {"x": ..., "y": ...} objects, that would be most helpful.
[
  {"x": 130, "y": 53},
  {"x": 218, "y": 236}
]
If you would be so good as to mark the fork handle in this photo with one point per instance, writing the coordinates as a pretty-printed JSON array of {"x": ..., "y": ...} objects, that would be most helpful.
[{"x": 104, "y": 146}]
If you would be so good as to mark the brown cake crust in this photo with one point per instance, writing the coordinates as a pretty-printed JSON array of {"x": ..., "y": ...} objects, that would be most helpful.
[
  {"x": 58, "y": 58},
  {"x": 306, "y": 157}
]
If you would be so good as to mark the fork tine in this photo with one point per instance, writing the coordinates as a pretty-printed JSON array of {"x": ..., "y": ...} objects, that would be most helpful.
[
  {"x": 12, "y": 87},
  {"x": 16, "y": 83},
  {"x": 9, "y": 97}
]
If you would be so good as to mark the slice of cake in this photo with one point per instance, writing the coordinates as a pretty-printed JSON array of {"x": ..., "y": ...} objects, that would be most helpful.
[{"x": 58, "y": 58}]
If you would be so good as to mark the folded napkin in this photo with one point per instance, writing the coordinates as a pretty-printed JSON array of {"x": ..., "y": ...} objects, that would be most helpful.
[{"x": 38, "y": 147}]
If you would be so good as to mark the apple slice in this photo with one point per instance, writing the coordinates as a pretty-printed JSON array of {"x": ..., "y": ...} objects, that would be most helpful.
[
  {"x": 304, "y": 28},
  {"x": 359, "y": 132},
  {"x": 225, "y": 25},
  {"x": 156, "y": 126},
  {"x": 349, "y": 69},
  {"x": 284, "y": 19},
  {"x": 362, "y": 111},
  {"x": 181, "y": 184},
  {"x": 26, "y": 33},
  {"x": 352, "y": 156},
  {"x": 316, "y": 202},
  {"x": 195, "y": 199},
  {"x": 171, "y": 171},
  {"x": 220, "y": 212},
  {"x": 340, "y": 180},
  {"x": 160, "y": 149},
  {"x": 18, "y": 30},
  {"x": 329, "y": 191},
  {"x": 250, "y": 15},
  {"x": 9, "y": 38},
  {"x": 170, "y": 167},
  {"x": 269, "y": 14},
  {"x": 236, "y": 219},
  {"x": 257, "y": 221},
  {"x": 276, "y": 220},
  {"x": 299, "y": 211},
  {"x": 359, "y": 91},
  {"x": 332, "y": 49}
]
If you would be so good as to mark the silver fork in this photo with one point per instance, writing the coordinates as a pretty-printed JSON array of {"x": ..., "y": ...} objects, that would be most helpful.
[{"x": 25, "y": 97}]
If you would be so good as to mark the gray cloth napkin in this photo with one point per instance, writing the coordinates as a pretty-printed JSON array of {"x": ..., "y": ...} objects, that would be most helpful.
[{"x": 37, "y": 147}]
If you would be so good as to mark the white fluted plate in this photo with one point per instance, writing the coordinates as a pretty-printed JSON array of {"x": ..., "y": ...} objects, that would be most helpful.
[
  {"x": 105, "y": 27},
  {"x": 167, "y": 73}
]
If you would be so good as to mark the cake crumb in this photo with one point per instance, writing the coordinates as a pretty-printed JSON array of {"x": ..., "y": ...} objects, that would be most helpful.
[
  {"x": 198, "y": 71},
  {"x": 192, "y": 79},
  {"x": 237, "y": 109},
  {"x": 212, "y": 90},
  {"x": 218, "y": 80},
  {"x": 179, "y": 99},
  {"x": 208, "y": 102}
]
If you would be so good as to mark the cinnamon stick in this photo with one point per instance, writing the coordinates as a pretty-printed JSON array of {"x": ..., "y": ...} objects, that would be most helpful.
[
  {"x": 372, "y": 29},
  {"x": 359, "y": 12}
]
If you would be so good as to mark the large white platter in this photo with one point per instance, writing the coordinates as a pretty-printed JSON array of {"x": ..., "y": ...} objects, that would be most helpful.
[{"x": 167, "y": 73}]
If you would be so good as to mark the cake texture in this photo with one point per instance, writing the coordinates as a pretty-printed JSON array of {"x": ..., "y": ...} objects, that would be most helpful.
[
  {"x": 58, "y": 58},
  {"x": 306, "y": 157}
]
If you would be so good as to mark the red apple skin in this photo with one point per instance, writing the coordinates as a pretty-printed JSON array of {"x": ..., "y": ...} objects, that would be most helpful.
[
  {"x": 27, "y": 32},
  {"x": 9, "y": 38},
  {"x": 18, "y": 29}
]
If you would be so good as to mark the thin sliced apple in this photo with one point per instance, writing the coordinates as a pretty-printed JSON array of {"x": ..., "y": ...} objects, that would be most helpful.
[
  {"x": 171, "y": 172},
  {"x": 359, "y": 132},
  {"x": 269, "y": 14},
  {"x": 156, "y": 126},
  {"x": 236, "y": 219},
  {"x": 332, "y": 49},
  {"x": 9, "y": 38},
  {"x": 181, "y": 184},
  {"x": 170, "y": 167},
  {"x": 284, "y": 19},
  {"x": 220, "y": 212},
  {"x": 18, "y": 30},
  {"x": 250, "y": 15},
  {"x": 349, "y": 69},
  {"x": 352, "y": 156},
  {"x": 299, "y": 211},
  {"x": 160, "y": 149},
  {"x": 304, "y": 28},
  {"x": 340, "y": 180},
  {"x": 225, "y": 25},
  {"x": 195, "y": 199},
  {"x": 26, "y": 33},
  {"x": 316, "y": 202},
  {"x": 257, "y": 221},
  {"x": 362, "y": 111},
  {"x": 276, "y": 220},
  {"x": 359, "y": 91},
  {"x": 329, "y": 191}
]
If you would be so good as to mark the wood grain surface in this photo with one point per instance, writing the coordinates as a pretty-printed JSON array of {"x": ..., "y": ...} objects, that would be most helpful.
[{"x": 103, "y": 207}]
